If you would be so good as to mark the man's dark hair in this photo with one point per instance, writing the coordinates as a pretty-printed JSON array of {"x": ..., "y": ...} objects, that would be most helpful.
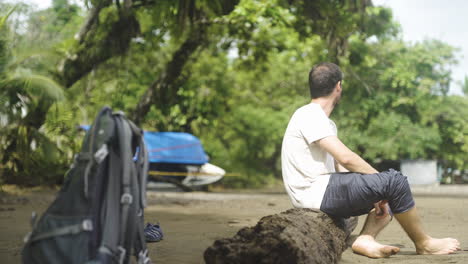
[{"x": 323, "y": 78}]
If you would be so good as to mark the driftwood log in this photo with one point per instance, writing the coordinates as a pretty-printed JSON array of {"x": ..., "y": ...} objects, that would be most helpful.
[{"x": 294, "y": 236}]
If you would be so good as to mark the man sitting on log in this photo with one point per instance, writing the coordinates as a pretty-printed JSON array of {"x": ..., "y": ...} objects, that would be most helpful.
[{"x": 320, "y": 172}]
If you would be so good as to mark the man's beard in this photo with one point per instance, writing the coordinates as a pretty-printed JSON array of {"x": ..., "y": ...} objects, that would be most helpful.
[{"x": 337, "y": 100}]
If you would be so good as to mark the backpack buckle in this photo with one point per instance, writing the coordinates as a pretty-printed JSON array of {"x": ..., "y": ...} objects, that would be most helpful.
[
  {"x": 101, "y": 153},
  {"x": 121, "y": 254},
  {"x": 87, "y": 225},
  {"x": 126, "y": 198},
  {"x": 27, "y": 237},
  {"x": 143, "y": 257},
  {"x": 33, "y": 219}
]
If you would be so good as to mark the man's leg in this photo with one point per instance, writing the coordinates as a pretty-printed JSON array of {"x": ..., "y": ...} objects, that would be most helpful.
[
  {"x": 411, "y": 223},
  {"x": 349, "y": 195},
  {"x": 365, "y": 244}
]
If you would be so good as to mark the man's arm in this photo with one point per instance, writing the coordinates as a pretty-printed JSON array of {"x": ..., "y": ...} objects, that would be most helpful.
[
  {"x": 351, "y": 161},
  {"x": 344, "y": 155},
  {"x": 339, "y": 167}
]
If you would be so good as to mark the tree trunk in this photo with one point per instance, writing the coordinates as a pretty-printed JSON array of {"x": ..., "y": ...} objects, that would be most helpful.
[
  {"x": 161, "y": 92},
  {"x": 295, "y": 236},
  {"x": 99, "y": 41}
]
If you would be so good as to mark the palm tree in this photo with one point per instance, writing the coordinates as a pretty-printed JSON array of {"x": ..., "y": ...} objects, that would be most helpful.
[{"x": 25, "y": 98}]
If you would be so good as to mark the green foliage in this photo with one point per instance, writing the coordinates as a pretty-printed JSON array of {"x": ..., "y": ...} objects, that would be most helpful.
[
  {"x": 392, "y": 93},
  {"x": 257, "y": 28},
  {"x": 4, "y": 18},
  {"x": 27, "y": 155},
  {"x": 236, "y": 92},
  {"x": 450, "y": 114},
  {"x": 4, "y": 48},
  {"x": 262, "y": 101}
]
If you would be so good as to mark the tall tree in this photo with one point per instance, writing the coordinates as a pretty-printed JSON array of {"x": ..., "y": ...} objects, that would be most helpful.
[
  {"x": 106, "y": 33},
  {"x": 25, "y": 99},
  {"x": 192, "y": 21}
]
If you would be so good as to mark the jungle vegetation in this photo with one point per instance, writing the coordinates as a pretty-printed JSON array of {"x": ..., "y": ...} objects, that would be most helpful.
[{"x": 231, "y": 72}]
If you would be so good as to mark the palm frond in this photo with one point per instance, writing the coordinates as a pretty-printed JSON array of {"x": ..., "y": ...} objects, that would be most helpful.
[
  {"x": 4, "y": 18},
  {"x": 4, "y": 49},
  {"x": 34, "y": 85},
  {"x": 30, "y": 54},
  {"x": 59, "y": 118}
]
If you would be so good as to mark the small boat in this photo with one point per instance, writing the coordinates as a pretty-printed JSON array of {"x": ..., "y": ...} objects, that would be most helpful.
[{"x": 178, "y": 157}]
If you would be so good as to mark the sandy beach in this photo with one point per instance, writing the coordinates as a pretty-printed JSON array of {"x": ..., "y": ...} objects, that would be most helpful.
[{"x": 193, "y": 221}]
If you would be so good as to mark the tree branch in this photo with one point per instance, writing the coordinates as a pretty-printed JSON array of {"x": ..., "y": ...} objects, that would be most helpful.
[
  {"x": 99, "y": 41},
  {"x": 91, "y": 20},
  {"x": 161, "y": 90}
]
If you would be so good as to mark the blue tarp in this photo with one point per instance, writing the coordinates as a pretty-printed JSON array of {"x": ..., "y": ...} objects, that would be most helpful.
[{"x": 172, "y": 147}]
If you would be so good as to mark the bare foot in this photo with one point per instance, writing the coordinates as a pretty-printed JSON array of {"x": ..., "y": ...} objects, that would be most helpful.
[
  {"x": 435, "y": 246},
  {"x": 367, "y": 246}
]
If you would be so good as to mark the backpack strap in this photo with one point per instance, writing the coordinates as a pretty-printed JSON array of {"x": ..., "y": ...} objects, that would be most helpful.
[
  {"x": 140, "y": 249},
  {"x": 85, "y": 225},
  {"x": 127, "y": 198},
  {"x": 141, "y": 159},
  {"x": 142, "y": 163},
  {"x": 141, "y": 252},
  {"x": 88, "y": 154},
  {"x": 109, "y": 248},
  {"x": 143, "y": 172},
  {"x": 130, "y": 182}
]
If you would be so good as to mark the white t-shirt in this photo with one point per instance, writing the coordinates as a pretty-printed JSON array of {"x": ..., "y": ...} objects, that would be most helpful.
[{"x": 306, "y": 167}]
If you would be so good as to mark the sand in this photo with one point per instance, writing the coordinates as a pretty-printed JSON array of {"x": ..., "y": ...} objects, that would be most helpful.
[{"x": 193, "y": 221}]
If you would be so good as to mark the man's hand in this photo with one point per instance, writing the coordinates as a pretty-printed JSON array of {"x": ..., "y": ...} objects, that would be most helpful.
[{"x": 381, "y": 209}]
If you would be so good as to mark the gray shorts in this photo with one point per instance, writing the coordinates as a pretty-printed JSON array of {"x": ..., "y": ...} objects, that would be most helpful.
[{"x": 353, "y": 194}]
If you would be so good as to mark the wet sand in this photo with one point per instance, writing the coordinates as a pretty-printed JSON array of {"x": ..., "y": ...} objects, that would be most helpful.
[{"x": 193, "y": 221}]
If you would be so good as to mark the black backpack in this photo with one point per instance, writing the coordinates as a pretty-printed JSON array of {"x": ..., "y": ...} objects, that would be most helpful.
[{"x": 97, "y": 216}]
